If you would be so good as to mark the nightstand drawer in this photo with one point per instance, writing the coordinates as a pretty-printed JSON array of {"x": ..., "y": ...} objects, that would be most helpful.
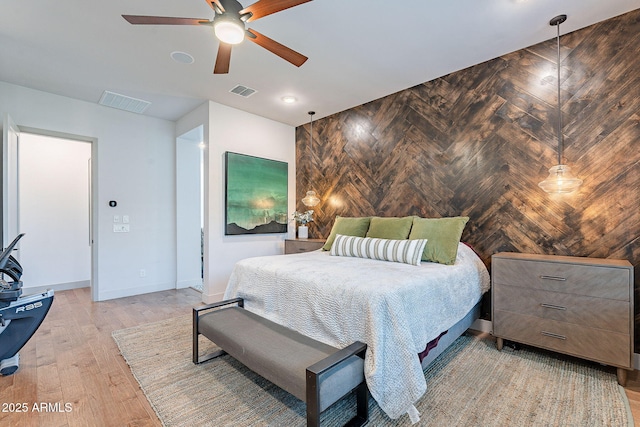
[
  {"x": 302, "y": 245},
  {"x": 582, "y": 341},
  {"x": 600, "y": 313},
  {"x": 589, "y": 280}
]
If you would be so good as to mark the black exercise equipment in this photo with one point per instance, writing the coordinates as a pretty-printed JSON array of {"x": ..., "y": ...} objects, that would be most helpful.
[{"x": 20, "y": 316}]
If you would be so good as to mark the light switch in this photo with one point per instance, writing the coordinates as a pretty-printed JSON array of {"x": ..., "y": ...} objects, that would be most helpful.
[
  {"x": 125, "y": 219},
  {"x": 116, "y": 218},
  {"x": 120, "y": 228}
]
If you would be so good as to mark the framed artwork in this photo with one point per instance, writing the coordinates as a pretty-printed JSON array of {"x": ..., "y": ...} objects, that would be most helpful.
[{"x": 256, "y": 195}]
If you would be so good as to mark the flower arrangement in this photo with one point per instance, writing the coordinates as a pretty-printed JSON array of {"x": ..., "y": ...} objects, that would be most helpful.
[{"x": 303, "y": 217}]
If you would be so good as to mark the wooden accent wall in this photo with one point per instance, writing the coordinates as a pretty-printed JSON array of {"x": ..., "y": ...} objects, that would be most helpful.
[{"x": 477, "y": 142}]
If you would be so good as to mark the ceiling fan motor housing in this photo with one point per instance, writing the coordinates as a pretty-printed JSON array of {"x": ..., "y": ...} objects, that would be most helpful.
[{"x": 231, "y": 7}]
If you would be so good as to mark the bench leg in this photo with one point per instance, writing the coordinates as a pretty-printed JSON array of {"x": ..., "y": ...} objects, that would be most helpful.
[
  {"x": 362, "y": 402},
  {"x": 315, "y": 371},
  {"x": 362, "y": 405},
  {"x": 196, "y": 358},
  {"x": 313, "y": 400}
]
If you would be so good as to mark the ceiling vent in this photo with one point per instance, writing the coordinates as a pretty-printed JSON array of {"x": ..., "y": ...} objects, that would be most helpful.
[
  {"x": 122, "y": 102},
  {"x": 243, "y": 91}
]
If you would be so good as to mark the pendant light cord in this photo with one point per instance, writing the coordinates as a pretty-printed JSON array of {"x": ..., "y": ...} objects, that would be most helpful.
[
  {"x": 560, "y": 145},
  {"x": 311, "y": 113}
]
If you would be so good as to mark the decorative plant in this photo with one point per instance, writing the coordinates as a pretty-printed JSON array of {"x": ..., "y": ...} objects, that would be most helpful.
[{"x": 303, "y": 218}]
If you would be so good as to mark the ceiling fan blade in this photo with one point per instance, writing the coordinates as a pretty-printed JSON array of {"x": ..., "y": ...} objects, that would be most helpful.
[
  {"x": 223, "y": 59},
  {"x": 211, "y": 3},
  {"x": 262, "y": 8},
  {"x": 273, "y": 46},
  {"x": 163, "y": 20}
]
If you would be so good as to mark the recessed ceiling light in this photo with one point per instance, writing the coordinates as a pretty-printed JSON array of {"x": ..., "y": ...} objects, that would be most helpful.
[
  {"x": 182, "y": 57},
  {"x": 289, "y": 99}
]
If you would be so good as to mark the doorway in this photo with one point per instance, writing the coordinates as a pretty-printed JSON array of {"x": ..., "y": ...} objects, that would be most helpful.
[
  {"x": 54, "y": 212},
  {"x": 12, "y": 134},
  {"x": 190, "y": 209}
]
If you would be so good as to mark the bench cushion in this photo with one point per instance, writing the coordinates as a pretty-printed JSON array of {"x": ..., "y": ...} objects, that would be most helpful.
[{"x": 279, "y": 354}]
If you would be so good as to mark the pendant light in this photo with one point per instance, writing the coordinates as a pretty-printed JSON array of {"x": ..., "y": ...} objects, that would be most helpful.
[
  {"x": 311, "y": 199},
  {"x": 560, "y": 179}
]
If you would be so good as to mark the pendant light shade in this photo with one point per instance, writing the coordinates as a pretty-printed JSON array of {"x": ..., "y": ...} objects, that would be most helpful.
[
  {"x": 311, "y": 199},
  {"x": 560, "y": 179}
]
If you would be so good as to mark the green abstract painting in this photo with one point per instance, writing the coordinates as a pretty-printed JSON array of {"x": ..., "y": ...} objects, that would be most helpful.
[{"x": 256, "y": 195}]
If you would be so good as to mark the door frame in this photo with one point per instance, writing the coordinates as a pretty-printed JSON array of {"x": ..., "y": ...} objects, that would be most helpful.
[
  {"x": 195, "y": 138},
  {"x": 93, "y": 195}
]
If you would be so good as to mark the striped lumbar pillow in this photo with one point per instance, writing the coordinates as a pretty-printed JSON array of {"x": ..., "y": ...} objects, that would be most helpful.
[{"x": 405, "y": 251}]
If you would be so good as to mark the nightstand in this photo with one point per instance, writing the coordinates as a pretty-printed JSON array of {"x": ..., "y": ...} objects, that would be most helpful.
[
  {"x": 296, "y": 246},
  {"x": 573, "y": 305}
]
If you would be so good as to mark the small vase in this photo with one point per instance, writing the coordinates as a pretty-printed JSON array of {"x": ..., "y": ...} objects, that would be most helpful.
[{"x": 303, "y": 232}]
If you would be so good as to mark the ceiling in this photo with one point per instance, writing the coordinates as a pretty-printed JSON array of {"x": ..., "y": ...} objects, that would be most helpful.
[{"x": 359, "y": 50}]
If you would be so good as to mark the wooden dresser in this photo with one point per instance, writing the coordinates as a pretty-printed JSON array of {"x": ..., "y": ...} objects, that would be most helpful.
[
  {"x": 296, "y": 246},
  {"x": 573, "y": 305}
]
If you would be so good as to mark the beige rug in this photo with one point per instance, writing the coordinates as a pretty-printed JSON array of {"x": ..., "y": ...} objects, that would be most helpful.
[{"x": 472, "y": 384}]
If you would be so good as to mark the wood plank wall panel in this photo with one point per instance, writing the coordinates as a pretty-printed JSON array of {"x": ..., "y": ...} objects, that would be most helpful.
[{"x": 478, "y": 141}]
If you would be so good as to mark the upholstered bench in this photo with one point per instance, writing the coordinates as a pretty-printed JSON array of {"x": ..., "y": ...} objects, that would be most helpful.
[{"x": 314, "y": 372}]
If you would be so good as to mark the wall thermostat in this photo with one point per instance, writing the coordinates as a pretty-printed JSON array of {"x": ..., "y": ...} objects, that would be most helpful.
[{"x": 113, "y": 203}]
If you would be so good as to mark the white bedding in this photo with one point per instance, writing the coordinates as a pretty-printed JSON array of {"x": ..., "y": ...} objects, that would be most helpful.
[{"x": 396, "y": 309}]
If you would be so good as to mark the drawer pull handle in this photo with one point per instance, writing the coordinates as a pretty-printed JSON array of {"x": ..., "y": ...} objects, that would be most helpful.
[
  {"x": 552, "y": 335},
  {"x": 559, "y": 279},
  {"x": 555, "y": 307}
]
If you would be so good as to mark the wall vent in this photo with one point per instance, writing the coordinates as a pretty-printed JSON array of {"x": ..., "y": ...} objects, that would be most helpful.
[
  {"x": 122, "y": 102},
  {"x": 243, "y": 91}
]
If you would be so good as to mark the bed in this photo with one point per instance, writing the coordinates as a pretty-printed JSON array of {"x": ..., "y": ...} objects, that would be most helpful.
[{"x": 395, "y": 308}]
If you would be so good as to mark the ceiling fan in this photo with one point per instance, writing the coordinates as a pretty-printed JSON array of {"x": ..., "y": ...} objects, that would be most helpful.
[{"x": 229, "y": 27}]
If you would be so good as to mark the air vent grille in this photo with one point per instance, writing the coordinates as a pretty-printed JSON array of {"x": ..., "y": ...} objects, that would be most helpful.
[
  {"x": 243, "y": 91},
  {"x": 122, "y": 102}
]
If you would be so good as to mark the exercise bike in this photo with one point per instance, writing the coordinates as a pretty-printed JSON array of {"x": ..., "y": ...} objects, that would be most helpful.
[{"x": 20, "y": 316}]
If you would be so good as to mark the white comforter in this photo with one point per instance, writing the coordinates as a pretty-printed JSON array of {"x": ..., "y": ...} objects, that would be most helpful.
[{"x": 396, "y": 309}]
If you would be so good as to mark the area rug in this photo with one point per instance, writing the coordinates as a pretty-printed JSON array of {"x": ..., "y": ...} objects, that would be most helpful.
[{"x": 471, "y": 384}]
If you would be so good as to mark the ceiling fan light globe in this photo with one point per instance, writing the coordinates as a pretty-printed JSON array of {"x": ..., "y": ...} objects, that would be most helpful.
[{"x": 229, "y": 32}]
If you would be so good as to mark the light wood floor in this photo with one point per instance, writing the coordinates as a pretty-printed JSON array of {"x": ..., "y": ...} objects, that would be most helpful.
[{"x": 73, "y": 360}]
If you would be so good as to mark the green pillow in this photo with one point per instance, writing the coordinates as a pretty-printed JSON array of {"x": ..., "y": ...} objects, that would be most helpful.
[
  {"x": 347, "y": 227},
  {"x": 390, "y": 228},
  {"x": 443, "y": 236}
]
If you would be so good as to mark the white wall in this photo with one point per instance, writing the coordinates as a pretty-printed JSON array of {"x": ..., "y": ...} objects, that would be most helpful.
[
  {"x": 228, "y": 129},
  {"x": 135, "y": 157},
  {"x": 135, "y": 166},
  {"x": 54, "y": 211}
]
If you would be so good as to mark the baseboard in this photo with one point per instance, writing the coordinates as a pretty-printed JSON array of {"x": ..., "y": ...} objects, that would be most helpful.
[
  {"x": 138, "y": 290},
  {"x": 188, "y": 283},
  {"x": 56, "y": 287},
  {"x": 211, "y": 298}
]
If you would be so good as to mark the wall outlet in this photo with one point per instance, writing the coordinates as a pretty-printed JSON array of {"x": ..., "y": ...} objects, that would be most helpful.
[{"x": 143, "y": 272}]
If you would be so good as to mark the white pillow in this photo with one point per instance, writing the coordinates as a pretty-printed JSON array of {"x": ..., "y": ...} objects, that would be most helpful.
[{"x": 405, "y": 251}]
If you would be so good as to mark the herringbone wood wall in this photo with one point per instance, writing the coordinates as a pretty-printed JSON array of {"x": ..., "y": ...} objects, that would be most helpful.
[{"x": 478, "y": 141}]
